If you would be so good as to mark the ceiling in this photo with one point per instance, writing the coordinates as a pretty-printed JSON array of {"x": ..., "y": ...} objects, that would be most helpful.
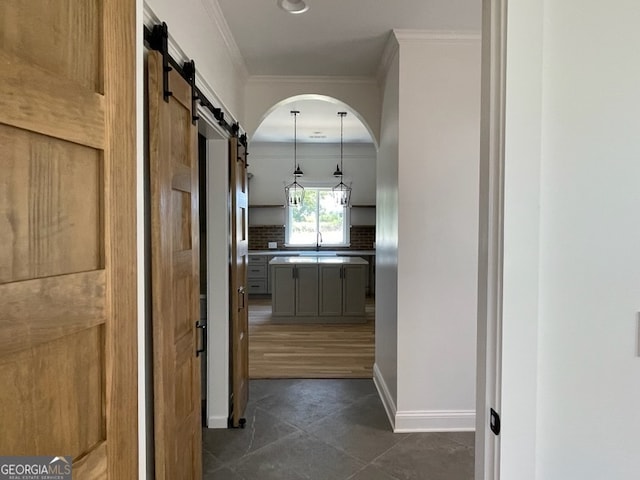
[
  {"x": 318, "y": 122},
  {"x": 333, "y": 38}
]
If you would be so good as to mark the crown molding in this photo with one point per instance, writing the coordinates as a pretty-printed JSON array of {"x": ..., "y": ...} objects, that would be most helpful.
[
  {"x": 388, "y": 54},
  {"x": 311, "y": 79},
  {"x": 397, "y": 37},
  {"x": 437, "y": 36},
  {"x": 215, "y": 12}
]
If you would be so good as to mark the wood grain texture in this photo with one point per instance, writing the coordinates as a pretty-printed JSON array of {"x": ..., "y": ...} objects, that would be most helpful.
[
  {"x": 31, "y": 98},
  {"x": 93, "y": 466},
  {"x": 68, "y": 232},
  {"x": 309, "y": 350},
  {"x": 55, "y": 392},
  {"x": 121, "y": 355},
  {"x": 51, "y": 199},
  {"x": 63, "y": 38},
  {"x": 175, "y": 267},
  {"x": 239, "y": 355},
  {"x": 65, "y": 305}
]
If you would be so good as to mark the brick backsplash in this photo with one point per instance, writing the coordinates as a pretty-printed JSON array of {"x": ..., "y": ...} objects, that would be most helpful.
[
  {"x": 362, "y": 237},
  {"x": 260, "y": 236}
]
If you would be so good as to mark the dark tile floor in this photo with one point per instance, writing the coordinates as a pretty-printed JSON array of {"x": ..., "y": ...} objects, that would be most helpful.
[{"x": 329, "y": 430}]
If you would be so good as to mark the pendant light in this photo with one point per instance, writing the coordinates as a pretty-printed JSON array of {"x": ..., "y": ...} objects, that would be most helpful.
[
  {"x": 341, "y": 192},
  {"x": 294, "y": 191}
]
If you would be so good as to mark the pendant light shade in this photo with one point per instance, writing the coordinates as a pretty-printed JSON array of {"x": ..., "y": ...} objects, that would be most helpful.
[
  {"x": 341, "y": 192},
  {"x": 294, "y": 192}
]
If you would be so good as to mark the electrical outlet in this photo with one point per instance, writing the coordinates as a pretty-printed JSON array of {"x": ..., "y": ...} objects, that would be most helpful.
[{"x": 273, "y": 244}]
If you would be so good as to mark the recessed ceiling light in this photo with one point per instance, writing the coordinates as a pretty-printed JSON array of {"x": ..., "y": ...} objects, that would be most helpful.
[{"x": 293, "y": 6}]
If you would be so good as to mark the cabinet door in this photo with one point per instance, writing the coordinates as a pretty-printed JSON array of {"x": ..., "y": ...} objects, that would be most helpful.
[
  {"x": 354, "y": 284},
  {"x": 330, "y": 278},
  {"x": 269, "y": 278},
  {"x": 284, "y": 290},
  {"x": 306, "y": 290}
]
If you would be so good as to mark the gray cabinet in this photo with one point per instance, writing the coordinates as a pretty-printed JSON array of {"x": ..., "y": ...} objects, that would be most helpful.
[
  {"x": 354, "y": 284},
  {"x": 258, "y": 274},
  {"x": 315, "y": 289},
  {"x": 330, "y": 279},
  {"x": 283, "y": 292},
  {"x": 306, "y": 290},
  {"x": 342, "y": 290},
  {"x": 295, "y": 290}
]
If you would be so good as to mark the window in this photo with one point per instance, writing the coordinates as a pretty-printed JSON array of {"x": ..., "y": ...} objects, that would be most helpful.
[{"x": 319, "y": 213}]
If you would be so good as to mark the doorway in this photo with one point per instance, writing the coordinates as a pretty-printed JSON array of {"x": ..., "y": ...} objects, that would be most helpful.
[{"x": 326, "y": 136}]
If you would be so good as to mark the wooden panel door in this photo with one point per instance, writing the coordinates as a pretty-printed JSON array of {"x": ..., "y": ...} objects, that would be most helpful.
[
  {"x": 68, "y": 308},
  {"x": 239, "y": 335},
  {"x": 175, "y": 268}
]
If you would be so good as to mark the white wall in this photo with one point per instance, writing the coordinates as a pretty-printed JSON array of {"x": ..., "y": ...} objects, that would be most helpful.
[
  {"x": 218, "y": 284},
  {"x": 570, "y": 399},
  {"x": 589, "y": 370},
  {"x": 264, "y": 92},
  {"x": 521, "y": 247},
  {"x": 386, "y": 357},
  {"x": 272, "y": 165},
  {"x": 438, "y": 165}
]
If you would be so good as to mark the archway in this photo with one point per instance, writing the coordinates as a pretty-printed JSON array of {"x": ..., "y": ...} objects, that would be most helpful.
[{"x": 318, "y": 150}]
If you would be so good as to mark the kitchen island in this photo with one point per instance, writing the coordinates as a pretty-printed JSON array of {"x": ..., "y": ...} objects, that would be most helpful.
[{"x": 318, "y": 289}]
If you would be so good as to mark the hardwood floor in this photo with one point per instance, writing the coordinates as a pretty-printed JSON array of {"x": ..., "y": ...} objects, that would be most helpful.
[{"x": 309, "y": 350}]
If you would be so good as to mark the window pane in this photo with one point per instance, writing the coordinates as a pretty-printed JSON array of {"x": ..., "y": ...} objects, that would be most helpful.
[
  {"x": 331, "y": 218},
  {"x": 302, "y": 220}
]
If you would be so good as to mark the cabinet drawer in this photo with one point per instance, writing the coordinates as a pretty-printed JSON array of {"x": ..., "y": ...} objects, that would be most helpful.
[
  {"x": 257, "y": 271},
  {"x": 257, "y": 286},
  {"x": 257, "y": 259}
]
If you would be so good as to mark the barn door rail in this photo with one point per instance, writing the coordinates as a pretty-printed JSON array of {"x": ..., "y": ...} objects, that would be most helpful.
[{"x": 157, "y": 38}]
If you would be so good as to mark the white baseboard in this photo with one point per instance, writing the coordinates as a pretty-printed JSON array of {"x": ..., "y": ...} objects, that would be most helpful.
[
  {"x": 422, "y": 420},
  {"x": 435, "y": 421},
  {"x": 217, "y": 422},
  {"x": 385, "y": 395}
]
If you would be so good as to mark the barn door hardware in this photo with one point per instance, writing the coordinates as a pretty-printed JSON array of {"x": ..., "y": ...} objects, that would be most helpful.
[
  {"x": 157, "y": 38},
  {"x": 160, "y": 41},
  {"x": 189, "y": 70}
]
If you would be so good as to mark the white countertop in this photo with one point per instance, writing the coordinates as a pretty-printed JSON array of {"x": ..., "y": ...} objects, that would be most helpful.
[
  {"x": 312, "y": 253},
  {"x": 333, "y": 260}
]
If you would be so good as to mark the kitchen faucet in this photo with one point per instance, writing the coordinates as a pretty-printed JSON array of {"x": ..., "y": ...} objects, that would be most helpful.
[{"x": 318, "y": 241}]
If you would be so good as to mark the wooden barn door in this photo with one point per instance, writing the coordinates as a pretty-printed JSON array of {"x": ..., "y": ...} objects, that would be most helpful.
[
  {"x": 239, "y": 297},
  {"x": 173, "y": 156},
  {"x": 68, "y": 307}
]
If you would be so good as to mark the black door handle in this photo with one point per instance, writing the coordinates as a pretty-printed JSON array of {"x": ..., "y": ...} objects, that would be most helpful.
[{"x": 203, "y": 338}]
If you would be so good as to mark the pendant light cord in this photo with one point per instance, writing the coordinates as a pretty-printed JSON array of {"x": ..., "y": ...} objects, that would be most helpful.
[{"x": 342, "y": 114}]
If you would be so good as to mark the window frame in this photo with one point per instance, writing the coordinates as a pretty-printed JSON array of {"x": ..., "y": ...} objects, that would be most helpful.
[{"x": 346, "y": 225}]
